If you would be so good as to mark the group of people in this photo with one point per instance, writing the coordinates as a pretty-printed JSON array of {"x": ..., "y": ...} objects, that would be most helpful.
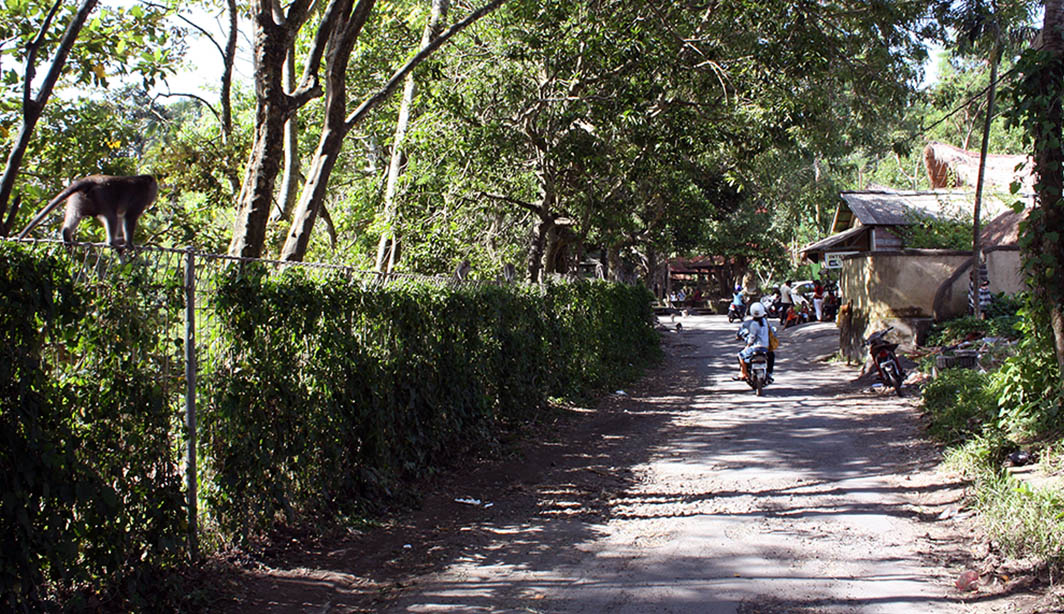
[
  {"x": 825, "y": 301},
  {"x": 680, "y": 297}
]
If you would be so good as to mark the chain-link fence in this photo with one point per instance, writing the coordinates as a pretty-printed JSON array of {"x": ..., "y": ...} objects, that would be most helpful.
[
  {"x": 175, "y": 291},
  {"x": 159, "y": 397}
]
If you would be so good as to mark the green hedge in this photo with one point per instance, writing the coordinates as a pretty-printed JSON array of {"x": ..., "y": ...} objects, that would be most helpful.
[
  {"x": 91, "y": 502},
  {"x": 316, "y": 397},
  {"x": 324, "y": 393}
]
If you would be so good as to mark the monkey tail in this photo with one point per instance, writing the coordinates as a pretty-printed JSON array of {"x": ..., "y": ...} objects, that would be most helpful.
[{"x": 77, "y": 186}]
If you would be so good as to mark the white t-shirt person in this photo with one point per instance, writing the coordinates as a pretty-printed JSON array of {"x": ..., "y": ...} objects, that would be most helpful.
[{"x": 785, "y": 294}]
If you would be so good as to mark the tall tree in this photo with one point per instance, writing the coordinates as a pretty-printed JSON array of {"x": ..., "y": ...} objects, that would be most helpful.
[
  {"x": 596, "y": 120},
  {"x": 1038, "y": 108},
  {"x": 275, "y": 32},
  {"x": 386, "y": 248},
  {"x": 987, "y": 22},
  {"x": 338, "y": 123},
  {"x": 33, "y": 104}
]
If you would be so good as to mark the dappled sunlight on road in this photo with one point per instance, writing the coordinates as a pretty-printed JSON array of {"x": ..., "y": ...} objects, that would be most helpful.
[
  {"x": 683, "y": 493},
  {"x": 797, "y": 501}
]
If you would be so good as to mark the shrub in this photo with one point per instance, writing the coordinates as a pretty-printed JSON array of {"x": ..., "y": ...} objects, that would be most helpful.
[
  {"x": 953, "y": 331},
  {"x": 92, "y": 500},
  {"x": 325, "y": 393},
  {"x": 1026, "y": 521},
  {"x": 1028, "y": 384},
  {"x": 959, "y": 404}
]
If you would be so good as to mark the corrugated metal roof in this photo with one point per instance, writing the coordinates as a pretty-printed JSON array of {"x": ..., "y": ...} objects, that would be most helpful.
[
  {"x": 834, "y": 239},
  {"x": 891, "y": 208}
]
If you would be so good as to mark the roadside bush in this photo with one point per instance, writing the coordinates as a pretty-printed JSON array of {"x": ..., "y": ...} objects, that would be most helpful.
[
  {"x": 1027, "y": 385},
  {"x": 959, "y": 404},
  {"x": 956, "y": 330},
  {"x": 316, "y": 397},
  {"x": 92, "y": 506},
  {"x": 987, "y": 416},
  {"x": 1006, "y": 305},
  {"x": 1024, "y": 520},
  {"x": 324, "y": 394}
]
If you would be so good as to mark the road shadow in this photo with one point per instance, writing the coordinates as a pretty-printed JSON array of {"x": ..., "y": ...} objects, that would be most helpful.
[{"x": 536, "y": 541}]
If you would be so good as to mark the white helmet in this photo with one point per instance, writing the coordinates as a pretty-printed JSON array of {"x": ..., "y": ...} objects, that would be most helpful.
[{"x": 757, "y": 310}]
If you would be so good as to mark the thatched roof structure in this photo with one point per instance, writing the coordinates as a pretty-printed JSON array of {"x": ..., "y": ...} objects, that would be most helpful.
[
  {"x": 1003, "y": 230},
  {"x": 953, "y": 167}
]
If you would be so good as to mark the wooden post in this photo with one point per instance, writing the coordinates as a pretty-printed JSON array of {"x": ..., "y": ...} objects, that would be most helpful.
[{"x": 190, "y": 401}]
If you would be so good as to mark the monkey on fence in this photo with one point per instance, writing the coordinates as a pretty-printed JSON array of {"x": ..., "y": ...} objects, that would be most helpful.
[
  {"x": 508, "y": 272},
  {"x": 462, "y": 271},
  {"x": 116, "y": 201}
]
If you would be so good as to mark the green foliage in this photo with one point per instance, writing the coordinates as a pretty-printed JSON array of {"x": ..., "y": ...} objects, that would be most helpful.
[
  {"x": 1025, "y": 387},
  {"x": 1036, "y": 99},
  {"x": 959, "y": 404},
  {"x": 1025, "y": 520},
  {"x": 92, "y": 499},
  {"x": 959, "y": 329},
  {"x": 318, "y": 397},
  {"x": 1028, "y": 384},
  {"x": 325, "y": 392},
  {"x": 113, "y": 42},
  {"x": 930, "y": 232}
]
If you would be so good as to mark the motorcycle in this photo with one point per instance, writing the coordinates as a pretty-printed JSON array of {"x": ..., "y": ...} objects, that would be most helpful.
[
  {"x": 885, "y": 359},
  {"x": 771, "y": 305},
  {"x": 757, "y": 371},
  {"x": 736, "y": 312}
]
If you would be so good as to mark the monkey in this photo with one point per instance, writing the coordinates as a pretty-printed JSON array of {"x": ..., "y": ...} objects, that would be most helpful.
[
  {"x": 462, "y": 271},
  {"x": 508, "y": 272},
  {"x": 116, "y": 201}
]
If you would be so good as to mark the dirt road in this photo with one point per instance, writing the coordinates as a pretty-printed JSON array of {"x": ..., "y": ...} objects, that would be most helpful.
[{"x": 686, "y": 493}]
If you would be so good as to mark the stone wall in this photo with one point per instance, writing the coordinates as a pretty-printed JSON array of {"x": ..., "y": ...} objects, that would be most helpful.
[
  {"x": 1004, "y": 269},
  {"x": 897, "y": 289}
]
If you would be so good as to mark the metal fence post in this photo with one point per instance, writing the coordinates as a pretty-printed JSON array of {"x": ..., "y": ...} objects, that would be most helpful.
[{"x": 190, "y": 401}]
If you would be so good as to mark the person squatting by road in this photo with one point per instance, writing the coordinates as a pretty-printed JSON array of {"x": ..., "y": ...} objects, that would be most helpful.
[{"x": 755, "y": 332}]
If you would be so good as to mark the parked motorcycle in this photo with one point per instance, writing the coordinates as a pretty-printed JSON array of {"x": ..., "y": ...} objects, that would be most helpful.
[
  {"x": 885, "y": 359},
  {"x": 771, "y": 305},
  {"x": 736, "y": 312}
]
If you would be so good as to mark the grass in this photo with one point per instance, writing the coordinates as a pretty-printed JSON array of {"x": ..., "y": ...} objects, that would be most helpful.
[{"x": 1025, "y": 521}]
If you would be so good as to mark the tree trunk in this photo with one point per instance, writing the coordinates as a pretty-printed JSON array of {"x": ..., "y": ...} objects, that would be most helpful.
[
  {"x": 437, "y": 14},
  {"x": 273, "y": 37},
  {"x": 249, "y": 230},
  {"x": 275, "y": 31},
  {"x": 292, "y": 176},
  {"x": 33, "y": 106},
  {"x": 538, "y": 248},
  {"x": 1046, "y": 246},
  {"x": 333, "y": 135},
  {"x": 977, "y": 249},
  {"x": 229, "y": 59}
]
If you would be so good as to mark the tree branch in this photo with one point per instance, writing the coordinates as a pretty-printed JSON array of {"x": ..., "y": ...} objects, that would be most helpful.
[
  {"x": 202, "y": 101},
  {"x": 397, "y": 77},
  {"x": 31, "y": 57},
  {"x": 513, "y": 201}
]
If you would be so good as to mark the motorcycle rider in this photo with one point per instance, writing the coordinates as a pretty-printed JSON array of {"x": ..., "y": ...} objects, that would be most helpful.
[
  {"x": 755, "y": 332},
  {"x": 738, "y": 302}
]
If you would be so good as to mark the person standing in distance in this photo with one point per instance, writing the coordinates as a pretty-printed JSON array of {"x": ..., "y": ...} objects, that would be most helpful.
[{"x": 786, "y": 300}]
